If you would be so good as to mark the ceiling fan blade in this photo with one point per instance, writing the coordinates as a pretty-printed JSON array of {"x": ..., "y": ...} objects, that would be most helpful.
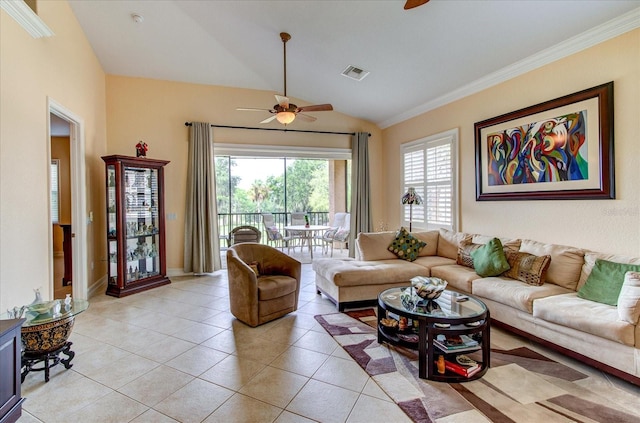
[
  {"x": 252, "y": 109},
  {"x": 410, "y": 4},
  {"x": 316, "y": 108},
  {"x": 282, "y": 101},
  {"x": 306, "y": 118},
  {"x": 269, "y": 119}
]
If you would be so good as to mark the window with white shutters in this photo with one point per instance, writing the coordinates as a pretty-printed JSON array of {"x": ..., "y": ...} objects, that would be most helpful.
[
  {"x": 55, "y": 191},
  {"x": 429, "y": 166}
]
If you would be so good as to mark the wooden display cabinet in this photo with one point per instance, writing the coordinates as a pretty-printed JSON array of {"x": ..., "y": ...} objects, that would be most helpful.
[{"x": 135, "y": 224}]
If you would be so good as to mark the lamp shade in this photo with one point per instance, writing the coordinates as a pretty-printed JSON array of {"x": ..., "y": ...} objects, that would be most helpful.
[
  {"x": 411, "y": 197},
  {"x": 285, "y": 117}
]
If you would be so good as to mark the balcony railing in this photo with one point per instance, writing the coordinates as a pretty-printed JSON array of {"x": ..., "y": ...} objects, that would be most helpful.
[{"x": 228, "y": 221}]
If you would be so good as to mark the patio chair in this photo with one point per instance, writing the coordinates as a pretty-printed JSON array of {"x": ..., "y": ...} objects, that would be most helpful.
[
  {"x": 242, "y": 234},
  {"x": 274, "y": 236},
  {"x": 341, "y": 235},
  {"x": 326, "y": 237},
  {"x": 297, "y": 218}
]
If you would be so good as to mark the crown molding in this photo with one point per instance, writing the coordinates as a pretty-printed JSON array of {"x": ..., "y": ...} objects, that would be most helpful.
[
  {"x": 27, "y": 18},
  {"x": 613, "y": 28}
]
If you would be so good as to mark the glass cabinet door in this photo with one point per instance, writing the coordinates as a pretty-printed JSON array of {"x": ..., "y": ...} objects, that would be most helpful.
[
  {"x": 112, "y": 223},
  {"x": 142, "y": 223}
]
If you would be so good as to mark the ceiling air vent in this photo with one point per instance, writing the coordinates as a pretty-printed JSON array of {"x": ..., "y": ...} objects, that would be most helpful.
[{"x": 355, "y": 73}]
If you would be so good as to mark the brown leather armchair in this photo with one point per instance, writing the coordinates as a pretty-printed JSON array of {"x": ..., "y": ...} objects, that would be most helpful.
[{"x": 272, "y": 292}]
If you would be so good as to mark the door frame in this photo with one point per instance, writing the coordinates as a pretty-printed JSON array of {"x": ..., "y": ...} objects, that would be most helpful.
[{"x": 78, "y": 198}]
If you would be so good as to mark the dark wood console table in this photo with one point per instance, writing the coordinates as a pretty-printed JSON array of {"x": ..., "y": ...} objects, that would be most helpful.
[{"x": 10, "y": 363}]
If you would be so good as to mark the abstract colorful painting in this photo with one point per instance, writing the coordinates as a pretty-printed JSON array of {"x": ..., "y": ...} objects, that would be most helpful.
[
  {"x": 552, "y": 150},
  {"x": 556, "y": 150}
]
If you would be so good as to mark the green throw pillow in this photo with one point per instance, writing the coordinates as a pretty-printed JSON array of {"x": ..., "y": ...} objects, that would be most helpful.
[
  {"x": 406, "y": 246},
  {"x": 490, "y": 260},
  {"x": 605, "y": 282}
]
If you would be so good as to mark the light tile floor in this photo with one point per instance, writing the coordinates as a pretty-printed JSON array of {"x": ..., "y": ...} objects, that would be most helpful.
[{"x": 175, "y": 353}]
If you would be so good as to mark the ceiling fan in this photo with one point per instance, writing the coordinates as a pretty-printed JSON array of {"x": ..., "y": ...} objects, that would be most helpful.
[
  {"x": 410, "y": 4},
  {"x": 285, "y": 112}
]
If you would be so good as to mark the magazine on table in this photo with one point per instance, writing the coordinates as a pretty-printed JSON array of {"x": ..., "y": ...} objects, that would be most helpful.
[{"x": 457, "y": 343}]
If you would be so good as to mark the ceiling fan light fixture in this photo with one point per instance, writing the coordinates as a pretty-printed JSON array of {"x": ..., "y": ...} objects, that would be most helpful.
[{"x": 285, "y": 118}]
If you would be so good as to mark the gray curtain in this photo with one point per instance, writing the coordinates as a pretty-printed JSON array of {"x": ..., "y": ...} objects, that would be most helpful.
[
  {"x": 201, "y": 242},
  {"x": 360, "y": 188}
]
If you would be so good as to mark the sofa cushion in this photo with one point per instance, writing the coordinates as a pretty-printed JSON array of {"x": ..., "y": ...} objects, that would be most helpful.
[
  {"x": 605, "y": 281},
  {"x": 373, "y": 245},
  {"x": 526, "y": 267},
  {"x": 490, "y": 260},
  {"x": 629, "y": 299},
  {"x": 275, "y": 286},
  {"x": 508, "y": 243},
  {"x": 448, "y": 242},
  {"x": 458, "y": 277},
  {"x": 566, "y": 262},
  {"x": 433, "y": 261},
  {"x": 357, "y": 272},
  {"x": 573, "y": 312},
  {"x": 516, "y": 294},
  {"x": 405, "y": 246},
  {"x": 431, "y": 239},
  {"x": 590, "y": 258}
]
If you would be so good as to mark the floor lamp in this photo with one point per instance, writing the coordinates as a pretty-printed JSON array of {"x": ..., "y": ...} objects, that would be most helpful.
[{"x": 411, "y": 197}]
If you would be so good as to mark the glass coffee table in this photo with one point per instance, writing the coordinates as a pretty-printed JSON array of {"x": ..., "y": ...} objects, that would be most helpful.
[
  {"x": 45, "y": 335},
  {"x": 446, "y": 332}
]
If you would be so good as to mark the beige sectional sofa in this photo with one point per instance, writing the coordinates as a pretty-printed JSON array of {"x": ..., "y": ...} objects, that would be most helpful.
[{"x": 604, "y": 336}]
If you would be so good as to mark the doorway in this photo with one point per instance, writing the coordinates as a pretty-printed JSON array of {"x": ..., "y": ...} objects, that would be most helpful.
[
  {"x": 60, "y": 195},
  {"x": 66, "y": 140}
]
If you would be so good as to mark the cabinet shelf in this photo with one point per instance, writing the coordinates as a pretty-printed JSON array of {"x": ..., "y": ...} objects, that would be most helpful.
[{"x": 136, "y": 228}]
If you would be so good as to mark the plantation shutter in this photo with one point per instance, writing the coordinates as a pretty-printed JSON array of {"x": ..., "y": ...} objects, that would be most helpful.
[
  {"x": 429, "y": 166},
  {"x": 439, "y": 186},
  {"x": 55, "y": 191}
]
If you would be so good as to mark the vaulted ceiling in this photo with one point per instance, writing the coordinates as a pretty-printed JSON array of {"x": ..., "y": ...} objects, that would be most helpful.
[{"x": 418, "y": 59}]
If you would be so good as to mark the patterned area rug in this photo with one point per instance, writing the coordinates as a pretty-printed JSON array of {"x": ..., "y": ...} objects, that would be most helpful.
[{"x": 521, "y": 385}]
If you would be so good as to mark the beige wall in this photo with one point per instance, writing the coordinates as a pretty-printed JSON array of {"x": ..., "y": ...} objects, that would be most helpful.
[
  {"x": 155, "y": 111},
  {"x": 64, "y": 69},
  {"x": 606, "y": 225}
]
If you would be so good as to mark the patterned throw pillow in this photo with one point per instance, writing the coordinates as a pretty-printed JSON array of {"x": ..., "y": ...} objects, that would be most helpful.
[
  {"x": 406, "y": 246},
  {"x": 464, "y": 253},
  {"x": 341, "y": 235},
  {"x": 254, "y": 266},
  {"x": 527, "y": 268},
  {"x": 274, "y": 233}
]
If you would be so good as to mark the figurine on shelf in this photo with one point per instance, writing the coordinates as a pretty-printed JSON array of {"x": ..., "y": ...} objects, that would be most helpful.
[
  {"x": 440, "y": 364},
  {"x": 141, "y": 149},
  {"x": 38, "y": 298}
]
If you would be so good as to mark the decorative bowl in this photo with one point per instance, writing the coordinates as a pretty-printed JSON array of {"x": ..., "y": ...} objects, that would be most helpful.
[
  {"x": 390, "y": 325},
  {"x": 428, "y": 288},
  {"x": 40, "y": 308},
  {"x": 47, "y": 337}
]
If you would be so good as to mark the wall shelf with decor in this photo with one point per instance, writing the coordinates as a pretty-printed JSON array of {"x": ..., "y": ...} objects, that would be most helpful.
[{"x": 135, "y": 224}]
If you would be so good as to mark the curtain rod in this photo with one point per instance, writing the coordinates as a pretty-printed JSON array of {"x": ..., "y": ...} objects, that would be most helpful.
[{"x": 278, "y": 129}]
